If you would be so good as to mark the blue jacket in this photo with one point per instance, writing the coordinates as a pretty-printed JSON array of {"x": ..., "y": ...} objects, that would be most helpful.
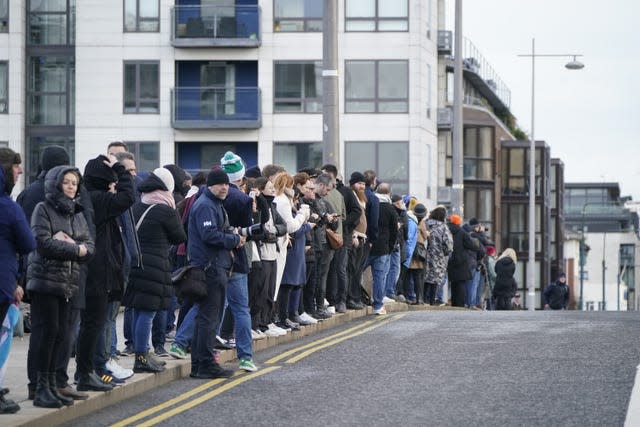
[
  {"x": 15, "y": 237},
  {"x": 373, "y": 215},
  {"x": 208, "y": 240},
  {"x": 412, "y": 238},
  {"x": 239, "y": 207}
]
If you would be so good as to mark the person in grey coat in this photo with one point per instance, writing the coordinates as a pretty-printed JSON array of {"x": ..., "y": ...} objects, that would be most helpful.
[{"x": 439, "y": 247}]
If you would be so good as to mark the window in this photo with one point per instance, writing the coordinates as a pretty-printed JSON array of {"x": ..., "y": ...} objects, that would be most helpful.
[
  {"x": 478, "y": 153},
  {"x": 627, "y": 265},
  {"x": 4, "y": 143},
  {"x": 142, "y": 16},
  {"x": 147, "y": 154},
  {"x": 377, "y": 86},
  {"x": 294, "y": 156},
  {"x": 390, "y": 160},
  {"x": 51, "y": 90},
  {"x": 515, "y": 227},
  {"x": 298, "y": 87},
  {"x": 377, "y": 15},
  {"x": 141, "y": 87},
  {"x": 51, "y": 22},
  {"x": 297, "y": 15},
  {"x": 4, "y": 87},
  {"x": 4, "y": 16},
  {"x": 478, "y": 203}
]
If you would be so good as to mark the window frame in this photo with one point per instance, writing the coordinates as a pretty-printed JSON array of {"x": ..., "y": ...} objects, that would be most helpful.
[
  {"x": 5, "y": 19},
  {"x": 376, "y": 167},
  {"x": 376, "y": 20},
  {"x": 376, "y": 98},
  {"x": 139, "y": 100},
  {"x": 68, "y": 92},
  {"x": 138, "y": 18},
  {"x": 304, "y": 100},
  {"x": 69, "y": 14},
  {"x": 134, "y": 148},
  {"x": 297, "y": 143},
  {"x": 5, "y": 84},
  {"x": 305, "y": 21}
]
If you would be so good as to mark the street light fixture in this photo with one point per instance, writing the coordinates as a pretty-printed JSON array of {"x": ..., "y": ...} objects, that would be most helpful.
[{"x": 572, "y": 65}]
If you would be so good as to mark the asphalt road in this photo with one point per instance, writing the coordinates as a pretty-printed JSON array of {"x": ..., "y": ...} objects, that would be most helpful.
[{"x": 435, "y": 368}]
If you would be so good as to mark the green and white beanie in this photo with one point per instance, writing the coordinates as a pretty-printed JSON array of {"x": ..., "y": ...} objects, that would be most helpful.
[{"x": 233, "y": 165}]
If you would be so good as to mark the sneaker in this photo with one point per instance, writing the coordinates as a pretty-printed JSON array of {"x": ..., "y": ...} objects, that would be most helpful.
[
  {"x": 232, "y": 342},
  {"x": 7, "y": 406},
  {"x": 306, "y": 318},
  {"x": 170, "y": 336},
  {"x": 144, "y": 363},
  {"x": 387, "y": 300},
  {"x": 341, "y": 307},
  {"x": 117, "y": 370},
  {"x": 161, "y": 352},
  {"x": 222, "y": 344},
  {"x": 380, "y": 311},
  {"x": 331, "y": 310},
  {"x": 108, "y": 378},
  {"x": 324, "y": 314},
  {"x": 212, "y": 371},
  {"x": 128, "y": 351},
  {"x": 300, "y": 321},
  {"x": 177, "y": 351},
  {"x": 257, "y": 335},
  {"x": 326, "y": 303},
  {"x": 295, "y": 326},
  {"x": 272, "y": 333},
  {"x": 247, "y": 364},
  {"x": 280, "y": 331},
  {"x": 283, "y": 326},
  {"x": 401, "y": 298}
]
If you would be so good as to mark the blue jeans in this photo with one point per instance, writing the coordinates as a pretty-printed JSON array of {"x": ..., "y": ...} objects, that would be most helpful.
[
  {"x": 171, "y": 314},
  {"x": 441, "y": 286},
  {"x": 472, "y": 287},
  {"x": 238, "y": 303},
  {"x": 393, "y": 274},
  {"x": 184, "y": 334},
  {"x": 142, "y": 321},
  {"x": 127, "y": 327},
  {"x": 379, "y": 268},
  {"x": 104, "y": 343}
]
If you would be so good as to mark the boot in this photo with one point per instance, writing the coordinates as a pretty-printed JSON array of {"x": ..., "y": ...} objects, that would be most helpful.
[
  {"x": 7, "y": 406},
  {"x": 32, "y": 390},
  {"x": 156, "y": 359},
  {"x": 91, "y": 382},
  {"x": 144, "y": 363},
  {"x": 43, "y": 397},
  {"x": 66, "y": 401}
]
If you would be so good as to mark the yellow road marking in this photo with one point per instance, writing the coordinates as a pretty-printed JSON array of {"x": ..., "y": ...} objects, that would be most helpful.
[
  {"x": 207, "y": 396},
  {"x": 311, "y": 344},
  {"x": 339, "y": 340}
]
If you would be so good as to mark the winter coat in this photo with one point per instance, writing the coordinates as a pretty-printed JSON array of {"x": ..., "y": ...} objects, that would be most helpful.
[
  {"x": 505, "y": 282},
  {"x": 54, "y": 268},
  {"x": 458, "y": 267},
  {"x": 336, "y": 200},
  {"x": 476, "y": 254},
  {"x": 352, "y": 210},
  {"x": 150, "y": 287},
  {"x": 412, "y": 237},
  {"x": 372, "y": 213},
  {"x": 557, "y": 295},
  {"x": 322, "y": 207},
  {"x": 239, "y": 208},
  {"x": 15, "y": 237},
  {"x": 439, "y": 248},
  {"x": 295, "y": 269},
  {"x": 421, "y": 239},
  {"x": 387, "y": 228}
]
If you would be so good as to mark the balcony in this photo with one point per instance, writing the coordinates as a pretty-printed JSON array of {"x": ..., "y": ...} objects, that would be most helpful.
[
  {"x": 216, "y": 108},
  {"x": 215, "y": 26}
]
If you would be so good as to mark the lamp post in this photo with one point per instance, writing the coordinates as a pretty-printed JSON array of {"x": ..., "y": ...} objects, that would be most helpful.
[{"x": 572, "y": 65}]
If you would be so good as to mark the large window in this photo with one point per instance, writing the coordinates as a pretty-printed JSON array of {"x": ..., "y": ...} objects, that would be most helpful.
[
  {"x": 377, "y": 86},
  {"x": 4, "y": 87},
  {"x": 142, "y": 16},
  {"x": 51, "y": 90},
  {"x": 147, "y": 154},
  {"x": 515, "y": 164},
  {"x": 294, "y": 156},
  {"x": 377, "y": 15},
  {"x": 627, "y": 265},
  {"x": 141, "y": 87},
  {"x": 297, "y": 15},
  {"x": 478, "y": 153},
  {"x": 515, "y": 227},
  {"x": 298, "y": 87},
  {"x": 478, "y": 203},
  {"x": 4, "y": 16},
  {"x": 51, "y": 22},
  {"x": 390, "y": 160}
]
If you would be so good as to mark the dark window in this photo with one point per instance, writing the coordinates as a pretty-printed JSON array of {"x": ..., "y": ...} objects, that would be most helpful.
[
  {"x": 390, "y": 160},
  {"x": 4, "y": 16},
  {"x": 35, "y": 145},
  {"x": 377, "y": 86},
  {"x": 376, "y": 15},
  {"x": 297, "y": 15},
  {"x": 51, "y": 22},
  {"x": 298, "y": 87},
  {"x": 142, "y": 16},
  {"x": 141, "y": 87},
  {"x": 515, "y": 227},
  {"x": 4, "y": 87},
  {"x": 294, "y": 156},
  {"x": 478, "y": 203},
  {"x": 51, "y": 90},
  {"x": 147, "y": 154}
]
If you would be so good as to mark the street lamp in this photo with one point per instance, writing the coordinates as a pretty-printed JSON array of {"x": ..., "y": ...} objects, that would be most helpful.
[{"x": 572, "y": 65}]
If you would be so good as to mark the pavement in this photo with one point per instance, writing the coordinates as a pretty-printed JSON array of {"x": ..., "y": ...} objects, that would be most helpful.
[{"x": 29, "y": 415}]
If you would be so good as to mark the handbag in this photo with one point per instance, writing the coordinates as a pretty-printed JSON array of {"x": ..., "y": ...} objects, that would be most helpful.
[
  {"x": 420, "y": 252},
  {"x": 190, "y": 282},
  {"x": 335, "y": 240}
]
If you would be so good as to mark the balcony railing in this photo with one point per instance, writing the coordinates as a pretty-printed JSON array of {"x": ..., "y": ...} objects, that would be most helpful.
[
  {"x": 216, "y": 108},
  {"x": 473, "y": 61},
  {"x": 217, "y": 26}
]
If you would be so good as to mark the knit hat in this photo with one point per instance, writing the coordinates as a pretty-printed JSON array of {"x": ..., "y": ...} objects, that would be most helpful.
[
  {"x": 455, "y": 219},
  {"x": 396, "y": 198},
  {"x": 98, "y": 175},
  {"x": 166, "y": 177},
  {"x": 217, "y": 176},
  {"x": 52, "y": 156},
  {"x": 356, "y": 177},
  {"x": 473, "y": 222},
  {"x": 420, "y": 210},
  {"x": 253, "y": 172},
  {"x": 233, "y": 165}
]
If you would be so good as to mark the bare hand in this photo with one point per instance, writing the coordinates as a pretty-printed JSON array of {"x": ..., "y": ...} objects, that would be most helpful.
[
  {"x": 242, "y": 241},
  {"x": 313, "y": 225},
  {"x": 82, "y": 250},
  {"x": 356, "y": 242},
  {"x": 18, "y": 294}
]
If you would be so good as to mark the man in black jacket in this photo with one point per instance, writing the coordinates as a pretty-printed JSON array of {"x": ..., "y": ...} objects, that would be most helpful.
[
  {"x": 459, "y": 269},
  {"x": 556, "y": 295}
]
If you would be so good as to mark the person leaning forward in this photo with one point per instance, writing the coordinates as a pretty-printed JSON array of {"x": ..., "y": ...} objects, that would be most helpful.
[{"x": 209, "y": 246}]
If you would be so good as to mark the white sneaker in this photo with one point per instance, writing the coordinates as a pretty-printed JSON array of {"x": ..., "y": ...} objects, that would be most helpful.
[
  {"x": 326, "y": 303},
  {"x": 118, "y": 371},
  {"x": 331, "y": 309},
  {"x": 257, "y": 335},
  {"x": 380, "y": 311},
  {"x": 386, "y": 300},
  {"x": 271, "y": 333},
  {"x": 304, "y": 316},
  {"x": 280, "y": 331}
]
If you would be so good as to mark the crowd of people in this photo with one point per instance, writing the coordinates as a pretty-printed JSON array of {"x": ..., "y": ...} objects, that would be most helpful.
[{"x": 277, "y": 251}]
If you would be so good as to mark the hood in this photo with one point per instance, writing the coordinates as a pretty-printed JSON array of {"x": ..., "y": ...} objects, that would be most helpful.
[
  {"x": 455, "y": 229},
  {"x": 506, "y": 261},
  {"x": 412, "y": 216},
  {"x": 53, "y": 190},
  {"x": 151, "y": 183},
  {"x": 179, "y": 177},
  {"x": 384, "y": 198},
  {"x": 98, "y": 175}
]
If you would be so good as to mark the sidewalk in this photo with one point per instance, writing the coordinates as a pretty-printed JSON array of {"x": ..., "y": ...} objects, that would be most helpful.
[{"x": 29, "y": 415}]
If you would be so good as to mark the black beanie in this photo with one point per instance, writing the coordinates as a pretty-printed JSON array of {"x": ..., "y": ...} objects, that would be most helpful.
[
  {"x": 356, "y": 177},
  {"x": 217, "y": 176},
  {"x": 98, "y": 175},
  {"x": 52, "y": 156},
  {"x": 253, "y": 172}
]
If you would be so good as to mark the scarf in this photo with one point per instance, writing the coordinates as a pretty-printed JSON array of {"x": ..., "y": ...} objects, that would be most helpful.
[{"x": 158, "y": 197}]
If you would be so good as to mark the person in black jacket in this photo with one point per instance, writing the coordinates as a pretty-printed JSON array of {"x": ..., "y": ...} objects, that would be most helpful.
[
  {"x": 150, "y": 289},
  {"x": 505, "y": 287},
  {"x": 556, "y": 295},
  {"x": 63, "y": 241},
  {"x": 111, "y": 189},
  {"x": 458, "y": 267}
]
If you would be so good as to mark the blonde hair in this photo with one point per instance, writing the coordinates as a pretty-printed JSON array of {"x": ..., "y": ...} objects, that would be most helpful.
[
  {"x": 281, "y": 181},
  {"x": 509, "y": 253},
  {"x": 412, "y": 203}
]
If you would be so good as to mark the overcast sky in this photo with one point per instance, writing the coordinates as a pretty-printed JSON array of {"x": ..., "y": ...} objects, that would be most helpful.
[{"x": 590, "y": 118}]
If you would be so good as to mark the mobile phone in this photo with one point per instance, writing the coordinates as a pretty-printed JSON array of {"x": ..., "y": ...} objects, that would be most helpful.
[{"x": 252, "y": 194}]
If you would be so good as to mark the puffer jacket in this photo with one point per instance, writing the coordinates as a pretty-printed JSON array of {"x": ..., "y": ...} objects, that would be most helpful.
[
  {"x": 505, "y": 282},
  {"x": 54, "y": 268},
  {"x": 439, "y": 247}
]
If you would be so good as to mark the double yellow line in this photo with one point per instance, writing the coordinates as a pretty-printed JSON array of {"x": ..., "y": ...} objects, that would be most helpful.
[{"x": 305, "y": 350}]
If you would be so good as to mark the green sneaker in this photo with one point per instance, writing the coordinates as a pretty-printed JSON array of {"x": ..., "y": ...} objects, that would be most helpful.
[
  {"x": 177, "y": 351},
  {"x": 247, "y": 364}
]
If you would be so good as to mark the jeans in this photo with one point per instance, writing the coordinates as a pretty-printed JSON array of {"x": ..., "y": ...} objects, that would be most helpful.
[
  {"x": 104, "y": 343},
  {"x": 184, "y": 334},
  {"x": 471, "y": 287},
  {"x": 393, "y": 273},
  {"x": 379, "y": 268},
  {"x": 127, "y": 327},
  {"x": 238, "y": 303},
  {"x": 159, "y": 329},
  {"x": 208, "y": 319},
  {"x": 142, "y": 321}
]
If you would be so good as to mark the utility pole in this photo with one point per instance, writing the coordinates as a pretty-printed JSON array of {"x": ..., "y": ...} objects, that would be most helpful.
[
  {"x": 457, "y": 185},
  {"x": 330, "y": 118}
]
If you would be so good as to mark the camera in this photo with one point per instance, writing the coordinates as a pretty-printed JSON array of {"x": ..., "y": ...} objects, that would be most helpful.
[{"x": 254, "y": 230}]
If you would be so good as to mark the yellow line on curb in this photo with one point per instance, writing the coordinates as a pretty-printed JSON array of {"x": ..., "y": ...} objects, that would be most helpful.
[
  {"x": 207, "y": 396},
  {"x": 339, "y": 340},
  {"x": 311, "y": 344}
]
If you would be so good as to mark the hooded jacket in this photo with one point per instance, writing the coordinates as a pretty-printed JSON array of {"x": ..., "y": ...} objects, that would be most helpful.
[
  {"x": 387, "y": 230},
  {"x": 54, "y": 268},
  {"x": 439, "y": 247},
  {"x": 458, "y": 266},
  {"x": 505, "y": 285}
]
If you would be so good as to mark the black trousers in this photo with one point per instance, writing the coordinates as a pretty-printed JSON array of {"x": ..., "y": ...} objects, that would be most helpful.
[
  {"x": 264, "y": 308},
  {"x": 503, "y": 303},
  {"x": 208, "y": 319},
  {"x": 68, "y": 345},
  {"x": 49, "y": 318},
  {"x": 458, "y": 293},
  {"x": 91, "y": 323},
  {"x": 355, "y": 260},
  {"x": 323, "y": 263},
  {"x": 417, "y": 274},
  {"x": 337, "y": 281},
  {"x": 308, "y": 293}
]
